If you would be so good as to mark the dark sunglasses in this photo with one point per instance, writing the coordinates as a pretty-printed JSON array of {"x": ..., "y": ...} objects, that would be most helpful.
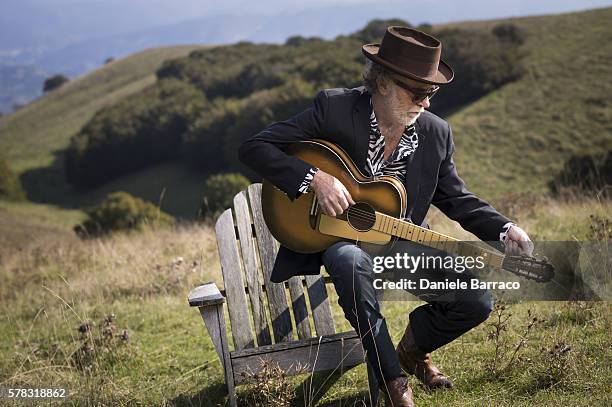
[{"x": 418, "y": 95}]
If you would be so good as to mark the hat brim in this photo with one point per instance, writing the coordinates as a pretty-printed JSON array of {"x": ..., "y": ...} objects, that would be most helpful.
[{"x": 444, "y": 74}]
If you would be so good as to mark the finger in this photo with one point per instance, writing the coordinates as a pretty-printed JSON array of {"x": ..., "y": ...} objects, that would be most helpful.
[
  {"x": 526, "y": 247},
  {"x": 337, "y": 208},
  {"x": 327, "y": 208},
  {"x": 343, "y": 202},
  {"x": 511, "y": 245},
  {"x": 348, "y": 196}
]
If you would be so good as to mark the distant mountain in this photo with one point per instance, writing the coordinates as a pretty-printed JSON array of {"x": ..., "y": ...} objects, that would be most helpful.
[
  {"x": 72, "y": 37},
  {"x": 19, "y": 84}
]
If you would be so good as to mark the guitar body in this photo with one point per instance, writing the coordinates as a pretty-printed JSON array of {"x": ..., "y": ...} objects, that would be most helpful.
[{"x": 301, "y": 227}]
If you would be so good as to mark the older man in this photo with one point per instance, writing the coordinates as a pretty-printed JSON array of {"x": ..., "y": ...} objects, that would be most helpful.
[{"x": 386, "y": 130}]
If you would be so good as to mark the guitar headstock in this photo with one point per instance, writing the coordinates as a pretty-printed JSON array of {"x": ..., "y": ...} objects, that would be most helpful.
[{"x": 528, "y": 267}]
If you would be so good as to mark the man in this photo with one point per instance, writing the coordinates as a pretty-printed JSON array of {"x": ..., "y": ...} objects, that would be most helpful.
[{"x": 386, "y": 130}]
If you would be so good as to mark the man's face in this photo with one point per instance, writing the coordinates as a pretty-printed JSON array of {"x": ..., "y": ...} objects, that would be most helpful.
[{"x": 402, "y": 98}]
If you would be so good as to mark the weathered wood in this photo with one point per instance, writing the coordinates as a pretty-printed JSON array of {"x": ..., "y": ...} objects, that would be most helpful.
[
  {"x": 215, "y": 324},
  {"x": 205, "y": 295},
  {"x": 211, "y": 320},
  {"x": 277, "y": 298},
  {"x": 338, "y": 351},
  {"x": 319, "y": 304},
  {"x": 298, "y": 303},
  {"x": 251, "y": 270},
  {"x": 234, "y": 283}
]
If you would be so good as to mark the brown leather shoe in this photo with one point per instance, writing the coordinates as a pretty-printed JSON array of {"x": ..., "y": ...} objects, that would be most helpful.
[
  {"x": 419, "y": 363},
  {"x": 398, "y": 393}
]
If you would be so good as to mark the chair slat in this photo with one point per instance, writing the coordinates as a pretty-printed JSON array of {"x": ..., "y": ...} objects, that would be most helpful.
[
  {"x": 277, "y": 299},
  {"x": 319, "y": 304},
  {"x": 300, "y": 311},
  {"x": 249, "y": 256},
  {"x": 338, "y": 352},
  {"x": 233, "y": 281}
]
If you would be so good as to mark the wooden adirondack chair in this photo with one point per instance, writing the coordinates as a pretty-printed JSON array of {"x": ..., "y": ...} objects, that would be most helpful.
[{"x": 247, "y": 251}]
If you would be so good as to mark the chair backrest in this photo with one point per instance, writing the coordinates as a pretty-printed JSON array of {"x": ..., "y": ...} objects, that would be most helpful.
[{"x": 247, "y": 251}]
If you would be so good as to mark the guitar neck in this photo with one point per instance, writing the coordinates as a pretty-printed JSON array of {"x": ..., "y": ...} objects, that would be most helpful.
[{"x": 408, "y": 231}]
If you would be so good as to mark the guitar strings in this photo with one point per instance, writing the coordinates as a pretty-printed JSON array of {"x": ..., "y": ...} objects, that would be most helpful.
[
  {"x": 361, "y": 214},
  {"x": 364, "y": 215}
]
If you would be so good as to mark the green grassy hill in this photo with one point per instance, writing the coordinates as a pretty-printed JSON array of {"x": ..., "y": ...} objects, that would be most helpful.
[
  {"x": 33, "y": 137},
  {"x": 30, "y": 136},
  {"x": 516, "y": 138}
]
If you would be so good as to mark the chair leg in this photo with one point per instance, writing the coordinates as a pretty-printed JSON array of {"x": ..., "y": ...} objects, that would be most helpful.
[
  {"x": 215, "y": 324},
  {"x": 373, "y": 385}
]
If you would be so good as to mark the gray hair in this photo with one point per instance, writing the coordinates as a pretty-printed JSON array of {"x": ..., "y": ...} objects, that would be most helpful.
[{"x": 373, "y": 74}]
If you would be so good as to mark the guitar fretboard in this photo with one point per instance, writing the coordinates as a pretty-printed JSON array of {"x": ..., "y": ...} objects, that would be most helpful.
[{"x": 408, "y": 231}]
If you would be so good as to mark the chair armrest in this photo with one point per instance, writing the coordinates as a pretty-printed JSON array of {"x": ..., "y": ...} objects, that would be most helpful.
[{"x": 206, "y": 295}]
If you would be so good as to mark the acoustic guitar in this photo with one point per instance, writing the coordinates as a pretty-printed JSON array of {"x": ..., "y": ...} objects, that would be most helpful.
[{"x": 375, "y": 220}]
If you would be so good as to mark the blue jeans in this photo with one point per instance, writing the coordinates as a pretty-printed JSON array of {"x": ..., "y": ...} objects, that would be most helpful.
[{"x": 440, "y": 321}]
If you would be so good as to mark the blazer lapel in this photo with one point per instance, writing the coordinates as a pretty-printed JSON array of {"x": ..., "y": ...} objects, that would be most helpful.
[
  {"x": 413, "y": 172},
  {"x": 361, "y": 129}
]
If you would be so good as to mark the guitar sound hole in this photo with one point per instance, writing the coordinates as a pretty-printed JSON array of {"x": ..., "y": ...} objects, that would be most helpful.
[{"x": 361, "y": 216}]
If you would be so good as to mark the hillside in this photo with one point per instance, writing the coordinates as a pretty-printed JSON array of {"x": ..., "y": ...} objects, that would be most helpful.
[
  {"x": 531, "y": 126},
  {"x": 516, "y": 138},
  {"x": 30, "y": 136},
  {"x": 33, "y": 136}
]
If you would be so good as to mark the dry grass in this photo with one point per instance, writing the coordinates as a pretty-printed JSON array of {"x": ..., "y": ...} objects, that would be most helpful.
[
  {"x": 53, "y": 289},
  {"x": 154, "y": 262}
]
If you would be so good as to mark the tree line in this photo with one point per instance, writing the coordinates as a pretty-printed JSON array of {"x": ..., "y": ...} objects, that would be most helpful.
[{"x": 204, "y": 105}]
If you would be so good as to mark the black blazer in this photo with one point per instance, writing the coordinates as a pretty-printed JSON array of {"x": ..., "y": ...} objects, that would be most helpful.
[{"x": 342, "y": 116}]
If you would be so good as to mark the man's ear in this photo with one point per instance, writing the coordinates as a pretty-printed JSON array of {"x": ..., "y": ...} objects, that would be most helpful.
[{"x": 383, "y": 85}]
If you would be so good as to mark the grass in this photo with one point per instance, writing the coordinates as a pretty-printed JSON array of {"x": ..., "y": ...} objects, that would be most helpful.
[
  {"x": 517, "y": 137},
  {"x": 52, "y": 287}
]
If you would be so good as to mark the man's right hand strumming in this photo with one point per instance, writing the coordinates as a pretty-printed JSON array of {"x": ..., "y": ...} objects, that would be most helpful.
[{"x": 332, "y": 195}]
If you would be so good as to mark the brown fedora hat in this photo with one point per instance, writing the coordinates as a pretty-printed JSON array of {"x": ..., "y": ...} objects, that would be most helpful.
[{"x": 411, "y": 53}]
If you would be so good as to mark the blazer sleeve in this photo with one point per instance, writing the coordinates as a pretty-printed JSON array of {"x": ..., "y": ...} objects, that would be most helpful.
[
  {"x": 453, "y": 198},
  {"x": 265, "y": 152}
]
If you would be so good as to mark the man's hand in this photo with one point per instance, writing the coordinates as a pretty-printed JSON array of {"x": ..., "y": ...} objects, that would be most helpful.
[
  {"x": 517, "y": 242},
  {"x": 332, "y": 195}
]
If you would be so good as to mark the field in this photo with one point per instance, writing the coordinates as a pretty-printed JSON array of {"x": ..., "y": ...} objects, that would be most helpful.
[
  {"x": 55, "y": 284},
  {"x": 108, "y": 318}
]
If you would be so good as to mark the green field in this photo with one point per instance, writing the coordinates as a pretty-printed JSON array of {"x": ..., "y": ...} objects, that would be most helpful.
[{"x": 52, "y": 283}]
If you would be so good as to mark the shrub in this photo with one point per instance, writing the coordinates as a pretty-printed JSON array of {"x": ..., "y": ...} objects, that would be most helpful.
[
  {"x": 54, "y": 82},
  {"x": 219, "y": 192},
  {"x": 121, "y": 211},
  {"x": 509, "y": 33},
  {"x": 138, "y": 132},
  {"x": 585, "y": 172},
  {"x": 10, "y": 186}
]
